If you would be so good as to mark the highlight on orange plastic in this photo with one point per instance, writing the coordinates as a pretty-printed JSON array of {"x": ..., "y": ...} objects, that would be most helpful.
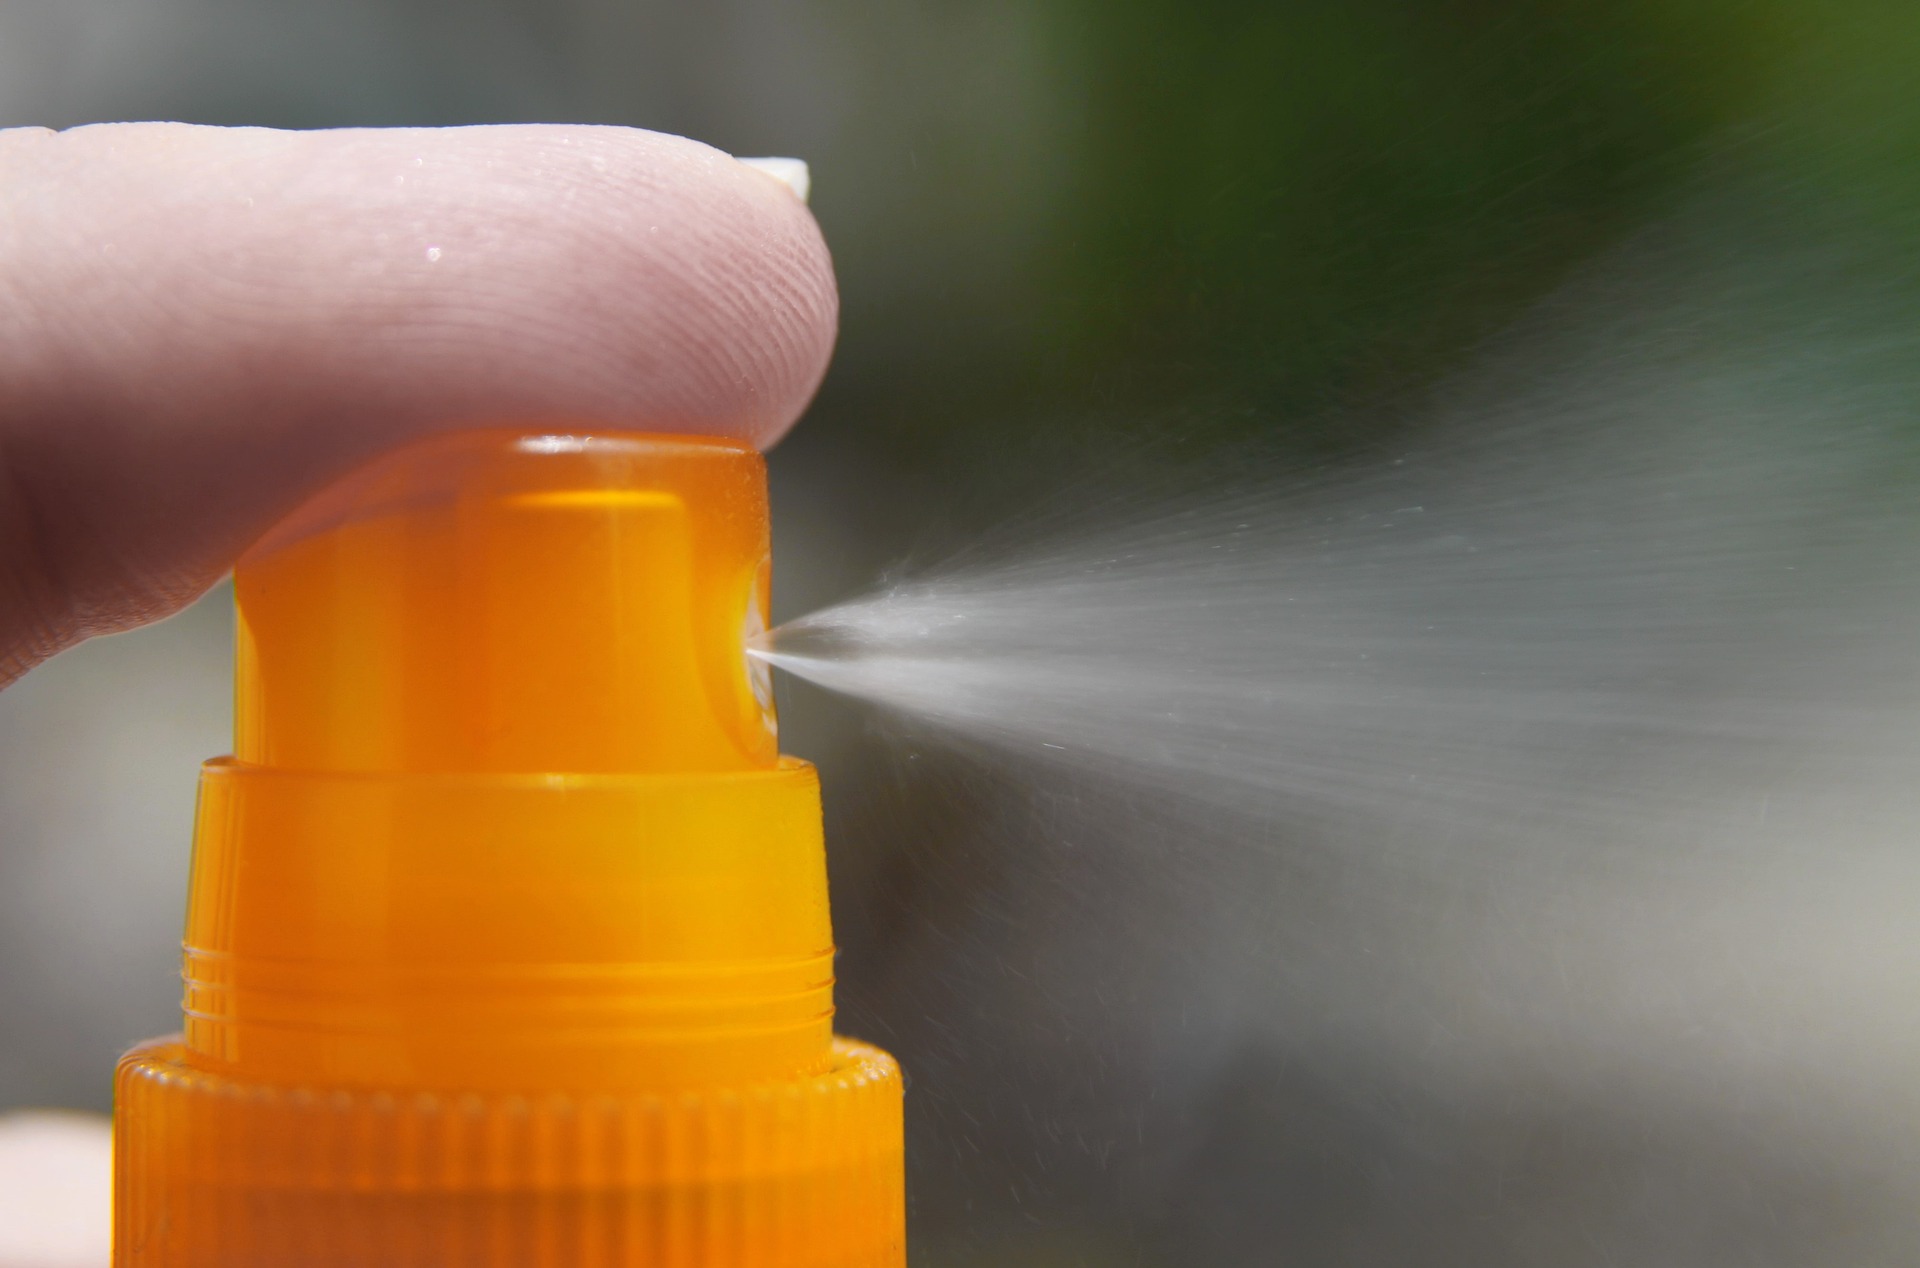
[{"x": 507, "y": 940}]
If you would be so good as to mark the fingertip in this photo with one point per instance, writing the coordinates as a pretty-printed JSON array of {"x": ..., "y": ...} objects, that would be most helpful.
[
  {"x": 55, "y": 1189},
  {"x": 202, "y": 325}
]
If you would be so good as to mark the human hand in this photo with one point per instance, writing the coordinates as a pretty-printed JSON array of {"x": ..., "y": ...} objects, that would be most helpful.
[
  {"x": 201, "y": 326},
  {"x": 55, "y": 1183}
]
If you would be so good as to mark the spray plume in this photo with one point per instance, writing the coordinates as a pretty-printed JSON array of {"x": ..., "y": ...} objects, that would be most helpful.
[{"x": 1565, "y": 752}]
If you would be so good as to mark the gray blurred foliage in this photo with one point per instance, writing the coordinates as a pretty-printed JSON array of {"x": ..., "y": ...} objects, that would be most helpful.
[{"x": 1062, "y": 228}]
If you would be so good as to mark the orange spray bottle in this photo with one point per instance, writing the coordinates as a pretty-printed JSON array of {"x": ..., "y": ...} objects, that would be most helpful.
[{"x": 508, "y": 939}]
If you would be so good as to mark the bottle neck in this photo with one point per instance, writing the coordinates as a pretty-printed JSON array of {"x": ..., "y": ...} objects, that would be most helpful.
[{"x": 509, "y": 931}]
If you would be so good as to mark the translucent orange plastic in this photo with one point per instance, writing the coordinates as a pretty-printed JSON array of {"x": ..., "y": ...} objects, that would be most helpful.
[{"x": 508, "y": 939}]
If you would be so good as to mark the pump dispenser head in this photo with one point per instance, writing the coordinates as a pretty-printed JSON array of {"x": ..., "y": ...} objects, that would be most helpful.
[
  {"x": 514, "y": 603},
  {"x": 508, "y": 938}
]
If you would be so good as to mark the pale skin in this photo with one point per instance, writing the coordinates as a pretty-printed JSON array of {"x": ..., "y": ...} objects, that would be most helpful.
[{"x": 199, "y": 327}]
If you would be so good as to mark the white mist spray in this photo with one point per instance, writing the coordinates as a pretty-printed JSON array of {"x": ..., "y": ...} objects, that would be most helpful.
[{"x": 1567, "y": 754}]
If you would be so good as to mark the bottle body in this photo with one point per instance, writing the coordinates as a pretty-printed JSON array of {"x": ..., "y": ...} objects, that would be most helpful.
[{"x": 215, "y": 1171}]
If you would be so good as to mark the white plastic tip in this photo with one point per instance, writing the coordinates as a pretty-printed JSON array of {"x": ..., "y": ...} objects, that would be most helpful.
[{"x": 791, "y": 172}]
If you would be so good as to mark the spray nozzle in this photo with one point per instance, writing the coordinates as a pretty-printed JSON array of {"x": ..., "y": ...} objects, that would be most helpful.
[{"x": 502, "y": 602}]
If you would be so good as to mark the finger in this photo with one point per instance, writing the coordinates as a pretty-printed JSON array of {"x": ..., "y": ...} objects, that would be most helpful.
[
  {"x": 199, "y": 326},
  {"x": 55, "y": 1190}
]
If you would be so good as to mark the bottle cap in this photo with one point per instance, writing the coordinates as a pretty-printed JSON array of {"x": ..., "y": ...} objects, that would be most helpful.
[{"x": 508, "y": 939}]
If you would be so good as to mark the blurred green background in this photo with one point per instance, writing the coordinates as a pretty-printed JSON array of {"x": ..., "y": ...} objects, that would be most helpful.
[{"x": 1069, "y": 234}]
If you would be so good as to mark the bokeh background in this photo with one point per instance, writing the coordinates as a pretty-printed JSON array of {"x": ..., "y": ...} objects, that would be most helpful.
[{"x": 1072, "y": 235}]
